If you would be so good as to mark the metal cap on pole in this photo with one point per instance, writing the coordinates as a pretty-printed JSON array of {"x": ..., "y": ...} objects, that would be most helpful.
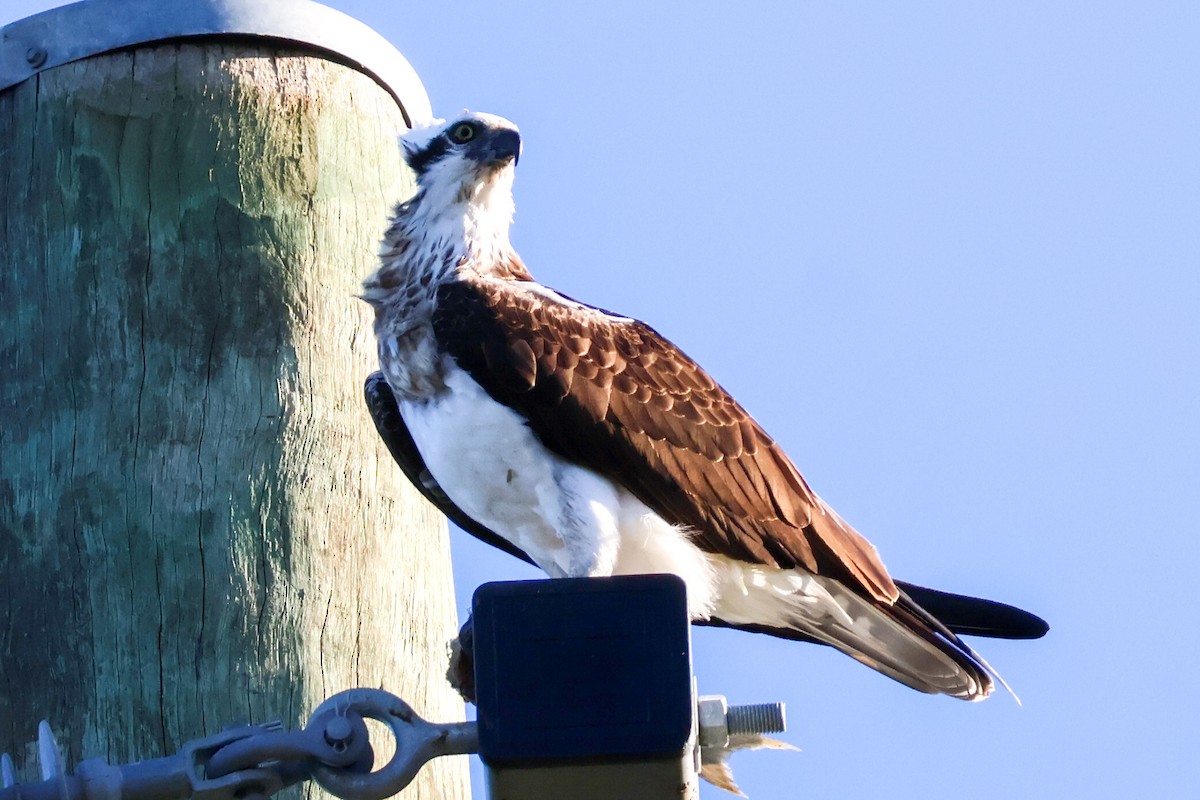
[{"x": 80, "y": 30}]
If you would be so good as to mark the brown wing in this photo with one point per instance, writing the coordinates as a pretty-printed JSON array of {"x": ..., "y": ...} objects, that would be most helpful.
[
  {"x": 614, "y": 395},
  {"x": 959, "y": 613}
]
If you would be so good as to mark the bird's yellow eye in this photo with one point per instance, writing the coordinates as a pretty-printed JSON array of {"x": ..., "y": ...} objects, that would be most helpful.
[{"x": 463, "y": 132}]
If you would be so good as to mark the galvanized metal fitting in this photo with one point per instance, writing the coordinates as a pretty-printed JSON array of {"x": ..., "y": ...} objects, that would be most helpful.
[
  {"x": 718, "y": 720},
  {"x": 84, "y": 29}
]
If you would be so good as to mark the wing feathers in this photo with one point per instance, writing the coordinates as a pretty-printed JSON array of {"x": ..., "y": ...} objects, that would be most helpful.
[
  {"x": 614, "y": 395},
  {"x": 933, "y": 615},
  {"x": 524, "y": 363}
]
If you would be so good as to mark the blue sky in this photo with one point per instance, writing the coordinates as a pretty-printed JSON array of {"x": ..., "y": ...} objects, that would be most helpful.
[{"x": 949, "y": 256}]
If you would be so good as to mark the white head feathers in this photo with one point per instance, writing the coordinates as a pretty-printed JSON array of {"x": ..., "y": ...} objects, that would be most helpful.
[{"x": 464, "y": 171}]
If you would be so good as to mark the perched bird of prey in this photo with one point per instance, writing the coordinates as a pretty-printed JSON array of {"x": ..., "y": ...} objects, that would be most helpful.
[{"x": 586, "y": 443}]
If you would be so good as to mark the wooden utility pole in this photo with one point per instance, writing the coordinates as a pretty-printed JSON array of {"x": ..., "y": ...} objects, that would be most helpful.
[{"x": 198, "y": 525}]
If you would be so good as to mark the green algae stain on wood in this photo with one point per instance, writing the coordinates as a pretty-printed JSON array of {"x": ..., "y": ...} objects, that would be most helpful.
[{"x": 192, "y": 499}]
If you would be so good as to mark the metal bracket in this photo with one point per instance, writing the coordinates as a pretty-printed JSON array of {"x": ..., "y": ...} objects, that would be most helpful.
[
  {"x": 417, "y": 741},
  {"x": 80, "y": 30}
]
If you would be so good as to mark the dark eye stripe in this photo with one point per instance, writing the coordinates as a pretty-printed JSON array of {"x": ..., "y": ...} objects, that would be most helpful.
[
  {"x": 432, "y": 152},
  {"x": 461, "y": 133}
]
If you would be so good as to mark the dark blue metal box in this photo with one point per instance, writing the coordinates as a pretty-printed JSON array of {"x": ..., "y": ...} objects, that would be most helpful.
[{"x": 589, "y": 669}]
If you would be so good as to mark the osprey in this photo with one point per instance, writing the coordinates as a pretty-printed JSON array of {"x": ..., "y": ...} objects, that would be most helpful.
[{"x": 586, "y": 443}]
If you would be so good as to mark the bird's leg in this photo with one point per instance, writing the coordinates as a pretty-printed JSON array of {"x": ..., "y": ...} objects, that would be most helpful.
[{"x": 461, "y": 672}]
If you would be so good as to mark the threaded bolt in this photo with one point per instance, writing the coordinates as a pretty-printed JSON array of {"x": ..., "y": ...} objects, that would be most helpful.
[{"x": 758, "y": 718}]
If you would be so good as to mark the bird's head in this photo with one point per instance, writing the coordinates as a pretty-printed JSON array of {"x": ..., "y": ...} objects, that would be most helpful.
[{"x": 468, "y": 161}]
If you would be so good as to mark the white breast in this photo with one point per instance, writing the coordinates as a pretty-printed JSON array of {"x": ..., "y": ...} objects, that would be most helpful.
[
  {"x": 488, "y": 461},
  {"x": 571, "y": 521}
]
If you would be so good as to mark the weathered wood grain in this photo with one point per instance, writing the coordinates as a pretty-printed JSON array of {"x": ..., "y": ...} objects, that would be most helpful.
[{"x": 197, "y": 523}]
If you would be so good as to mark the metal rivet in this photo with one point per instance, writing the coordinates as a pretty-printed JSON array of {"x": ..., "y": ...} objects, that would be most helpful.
[{"x": 36, "y": 56}]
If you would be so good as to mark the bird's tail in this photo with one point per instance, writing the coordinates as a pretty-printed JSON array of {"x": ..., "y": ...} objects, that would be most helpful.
[{"x": 900, "y": 640}]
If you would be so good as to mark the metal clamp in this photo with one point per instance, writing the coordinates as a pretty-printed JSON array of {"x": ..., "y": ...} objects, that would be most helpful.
[{"x": 87, "y": 28}]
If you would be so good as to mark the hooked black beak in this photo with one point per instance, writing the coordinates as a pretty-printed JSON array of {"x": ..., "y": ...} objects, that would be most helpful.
[{"x": 501, "y": 146}]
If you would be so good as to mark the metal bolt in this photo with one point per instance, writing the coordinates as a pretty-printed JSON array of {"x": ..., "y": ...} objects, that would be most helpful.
[
  {"x": 36, "y": 56},
  {"x": 760, "y": 718},
  {"x": 338, "y": 733},
  {"x": 717, "y": 720}
]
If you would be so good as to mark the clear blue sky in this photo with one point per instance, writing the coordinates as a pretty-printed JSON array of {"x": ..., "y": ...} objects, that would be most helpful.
[{"x": 949, "y": 255}]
